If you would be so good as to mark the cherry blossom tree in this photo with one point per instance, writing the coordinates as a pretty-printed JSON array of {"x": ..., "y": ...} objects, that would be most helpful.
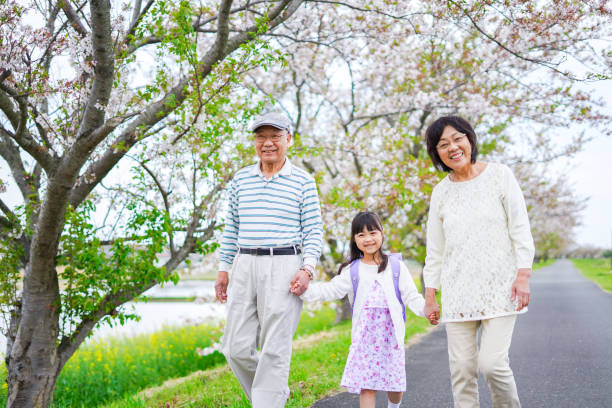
[
  {"x": 86, "y": 88},
  {"x": 361, "y": 94}
]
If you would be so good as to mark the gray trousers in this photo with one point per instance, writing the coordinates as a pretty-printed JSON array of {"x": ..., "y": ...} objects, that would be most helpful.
[{"x": 261, "y": 312}]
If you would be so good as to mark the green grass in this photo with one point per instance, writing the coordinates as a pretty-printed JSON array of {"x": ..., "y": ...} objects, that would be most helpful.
[
  {"x": 111, "y": 368},
  {"x": 316, "y": 369},
  {"x": 597, "y": 270},
  {"x": 541, "y": 264}
]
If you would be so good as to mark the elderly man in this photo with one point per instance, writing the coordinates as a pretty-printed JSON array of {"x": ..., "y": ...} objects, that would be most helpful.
[{"x": 272, "y": 240}]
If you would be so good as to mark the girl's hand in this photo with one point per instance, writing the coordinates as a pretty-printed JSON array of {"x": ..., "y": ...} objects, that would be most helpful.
[
  {"x": 294, "y": 287},
  {"x": 300, "y": 281}
]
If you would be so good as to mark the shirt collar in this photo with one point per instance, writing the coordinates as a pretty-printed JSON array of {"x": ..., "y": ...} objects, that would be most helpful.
[{"x": 284, "y": 171}]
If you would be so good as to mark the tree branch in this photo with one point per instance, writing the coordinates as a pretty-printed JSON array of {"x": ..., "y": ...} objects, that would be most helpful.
[
  {"x": 19, "y": 122},
  {"x": 69, "y": 344},
  {"x": 277, "y": 15},
  {"x": 73, "y": 18},
  {"x": 11, "y": 219},
  {"x": 517, "y": 54},
  {"x": 159, "y": 110},
  {"x": 137, "y": 16},
  {"x": 28, "y": 184},
  {"x": 164, "y": 195},
  {"x": 93, "y": 114}
]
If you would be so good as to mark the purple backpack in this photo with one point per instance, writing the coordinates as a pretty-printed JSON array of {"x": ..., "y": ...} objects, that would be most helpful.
[{"x": 395, "y": 268}]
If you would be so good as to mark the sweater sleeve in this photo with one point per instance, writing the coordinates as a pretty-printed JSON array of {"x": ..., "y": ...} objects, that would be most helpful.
[
  {"x": 435, "y": 244},
  {"x": 518, "y": 221},
  {"x": 336, "y": 288},
  {"x": 410, "y": 294}
]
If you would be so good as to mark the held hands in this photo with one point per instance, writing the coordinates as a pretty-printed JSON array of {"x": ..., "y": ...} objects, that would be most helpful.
[
  {"x": 221, "y": 286},
  {"x": 300, "y": 282},
  {"x": 432, "y": 309},
  {"x": 520, "y": 288}
]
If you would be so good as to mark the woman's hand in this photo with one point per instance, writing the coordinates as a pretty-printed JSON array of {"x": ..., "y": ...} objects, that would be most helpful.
[
  {"x": 432, "y": 309},
  {"x": 520, "y": 288}
]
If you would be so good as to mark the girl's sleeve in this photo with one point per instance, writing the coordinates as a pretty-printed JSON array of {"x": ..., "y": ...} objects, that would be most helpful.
[
  {"x": 435, "y": 245},
  {"x": 336, "y": 288},
  {"x": 518, "y": 221},
  {"x": 410, "y": 294}
]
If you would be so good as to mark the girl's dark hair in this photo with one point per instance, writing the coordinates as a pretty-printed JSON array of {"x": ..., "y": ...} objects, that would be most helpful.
[
  {"x": 371, "y": 222},
  {"x": 434, "y": 132}
]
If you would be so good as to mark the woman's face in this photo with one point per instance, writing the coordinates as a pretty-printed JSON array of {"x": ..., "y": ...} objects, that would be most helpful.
[
  {"x": 369, "y": 242},
  {"x": 454, "y": 148}
]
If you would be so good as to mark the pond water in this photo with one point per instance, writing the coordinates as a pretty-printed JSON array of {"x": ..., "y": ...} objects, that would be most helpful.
[{"x": 155, "y": 314}]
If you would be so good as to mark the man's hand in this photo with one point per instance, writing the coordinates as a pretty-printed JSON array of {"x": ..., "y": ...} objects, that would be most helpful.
[
  {"x": 300, "y": 282},
  {"x": 432, "y": 309},
  {"x": 221, "y": 286},
  {"x": 520, "y": 288}
]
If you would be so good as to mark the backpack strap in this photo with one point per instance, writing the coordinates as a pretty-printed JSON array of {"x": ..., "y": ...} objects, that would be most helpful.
[
  {"x": 354, "y": 280},
  {"x": 395, "y": 268}
]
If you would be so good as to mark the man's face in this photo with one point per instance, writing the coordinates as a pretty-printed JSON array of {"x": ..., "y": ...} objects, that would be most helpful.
[{"x": 271, "y": 144}]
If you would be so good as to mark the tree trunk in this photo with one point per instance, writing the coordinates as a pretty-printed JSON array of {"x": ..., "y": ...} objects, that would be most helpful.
[
  {"x": 33, "y": 364},
  {"x": 344, "y": 311}
]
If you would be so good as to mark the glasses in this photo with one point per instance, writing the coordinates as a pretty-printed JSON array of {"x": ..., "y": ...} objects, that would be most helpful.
[
  {"x": 259, "y": 139},
  {"x": 445, "y": 144}
]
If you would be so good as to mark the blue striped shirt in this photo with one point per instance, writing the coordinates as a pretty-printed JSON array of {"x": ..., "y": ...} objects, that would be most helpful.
[{"x": 279, "y": 212}]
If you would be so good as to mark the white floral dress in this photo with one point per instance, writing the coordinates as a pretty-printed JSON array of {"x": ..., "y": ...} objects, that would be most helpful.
[{"x": 375, "y": 360}]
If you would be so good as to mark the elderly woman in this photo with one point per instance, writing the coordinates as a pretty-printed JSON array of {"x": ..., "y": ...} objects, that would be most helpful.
[{"x": 479, "y": 252}]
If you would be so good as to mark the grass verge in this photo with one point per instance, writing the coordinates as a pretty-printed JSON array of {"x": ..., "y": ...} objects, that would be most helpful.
[
  {"x": 316, "y": 369},
  {"x": 111, "y": 368},
  {"x": 541, "y": 264},
  {"x": 597, "y": 270}
]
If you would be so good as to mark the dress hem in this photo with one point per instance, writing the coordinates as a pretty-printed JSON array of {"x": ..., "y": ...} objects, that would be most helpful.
[{"x": 358, "y": 390}]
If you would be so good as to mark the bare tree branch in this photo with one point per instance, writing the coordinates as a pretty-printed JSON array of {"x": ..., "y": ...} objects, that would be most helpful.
[
  {"x": 21, "y": 135},
  {"x": 104, "y": 68},
  {"x": 72, "y": 16},
  {"x": 517, "y": 54},
  {"x": 27, "y": 184}
]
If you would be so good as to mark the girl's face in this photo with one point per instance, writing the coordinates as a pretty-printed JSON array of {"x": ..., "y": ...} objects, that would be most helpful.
[{"x": 369, "y": 242}]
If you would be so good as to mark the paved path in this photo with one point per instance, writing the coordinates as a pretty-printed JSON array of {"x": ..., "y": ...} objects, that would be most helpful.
[{"x": 561, "y": 352}]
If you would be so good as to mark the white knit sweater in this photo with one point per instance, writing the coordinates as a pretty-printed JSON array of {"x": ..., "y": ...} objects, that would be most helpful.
[{"x": 478, "y": 237}]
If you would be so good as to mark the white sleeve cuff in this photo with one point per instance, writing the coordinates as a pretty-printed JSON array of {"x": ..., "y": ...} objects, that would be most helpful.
[
  {"x": 224, "y": 266},
  {"x": 312, "y": 261}
]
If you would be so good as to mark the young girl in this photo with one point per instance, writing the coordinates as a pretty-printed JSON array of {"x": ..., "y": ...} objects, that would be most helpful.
[{"x": 376, "y": 359}]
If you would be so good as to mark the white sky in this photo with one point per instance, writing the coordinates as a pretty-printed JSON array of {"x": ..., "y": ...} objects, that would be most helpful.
[{"x": 589, "y": 174}]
